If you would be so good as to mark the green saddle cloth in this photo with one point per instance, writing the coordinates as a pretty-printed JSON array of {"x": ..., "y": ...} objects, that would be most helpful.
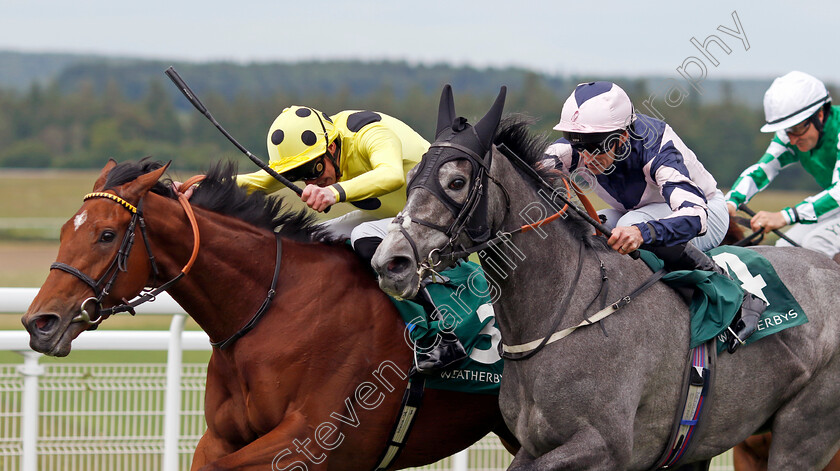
[
  {"x": 463, "y": 302},
  {"x": 716, "y": 299}
]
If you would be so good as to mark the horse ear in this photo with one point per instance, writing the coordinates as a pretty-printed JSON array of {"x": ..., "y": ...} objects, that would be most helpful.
[
  {"x": 136, "y": 189},
  {"x": 446, "y": 110},
  {"x": 103, "y": 175},
  {"x": 486, "y": 127}
]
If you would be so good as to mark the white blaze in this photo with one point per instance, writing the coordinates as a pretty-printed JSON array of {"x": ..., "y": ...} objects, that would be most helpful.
[{"x": 80, "y": 219}]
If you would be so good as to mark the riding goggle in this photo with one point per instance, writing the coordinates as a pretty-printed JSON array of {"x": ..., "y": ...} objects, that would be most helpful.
[
  {"x": 308, "y": 171},
  {"x": 592, "y": 143},
  {"x": 799, "y": 129}
]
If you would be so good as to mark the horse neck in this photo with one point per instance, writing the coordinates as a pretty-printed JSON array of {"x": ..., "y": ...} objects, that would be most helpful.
[
  {"x": 232, "y": 257},
  {"x": 533, "y": 270}
]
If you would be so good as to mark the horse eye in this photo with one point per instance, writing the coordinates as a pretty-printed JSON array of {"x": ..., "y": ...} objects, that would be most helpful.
[
  {"x": 107, "y": 236},
  {"x": 457, "y": 184}
]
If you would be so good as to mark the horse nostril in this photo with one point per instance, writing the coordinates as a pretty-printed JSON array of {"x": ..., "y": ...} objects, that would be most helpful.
[
  {"x": 44, "y": 323},
  {"x": 398, "y": 265}
]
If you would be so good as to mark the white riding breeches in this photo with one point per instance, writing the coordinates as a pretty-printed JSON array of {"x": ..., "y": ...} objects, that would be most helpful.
[
  {"x": 823, "y": 236},
  {"x": 356, "y": 225},
  {"x": 717, "y": 221}
]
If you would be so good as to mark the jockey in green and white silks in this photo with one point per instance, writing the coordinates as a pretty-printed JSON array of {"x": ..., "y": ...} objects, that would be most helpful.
[{"x": 798, "y": 109}]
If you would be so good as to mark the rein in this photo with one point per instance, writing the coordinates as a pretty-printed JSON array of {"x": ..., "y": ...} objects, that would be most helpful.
[
  {"x": 263, "y": 307},
  {"x": 102, "y": 287},
  {"x": 527, "y": 350}
]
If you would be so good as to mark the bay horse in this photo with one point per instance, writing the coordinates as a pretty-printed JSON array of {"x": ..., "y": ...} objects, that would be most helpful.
[
  {"x": 316, "y": 384},
  {"x": 604, "y": 397}
]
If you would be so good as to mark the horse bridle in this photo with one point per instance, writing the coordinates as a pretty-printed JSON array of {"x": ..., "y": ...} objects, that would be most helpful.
[
  {"x": 464, "y": 214},
  {"x": 102, "y": 287},
  {"x": 477, "y": 198}
]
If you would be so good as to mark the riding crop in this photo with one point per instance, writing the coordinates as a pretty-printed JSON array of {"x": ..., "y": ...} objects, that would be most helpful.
[
  {"x": 185, "y": 89},
  {"x": 743, "y": 207},
  {"x": 193, "y": 98}
]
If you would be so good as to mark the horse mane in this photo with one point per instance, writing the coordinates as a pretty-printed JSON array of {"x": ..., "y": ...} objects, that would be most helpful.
[
  {"x": 218, "y": 192},
  {"x": 514, "y": 132}
]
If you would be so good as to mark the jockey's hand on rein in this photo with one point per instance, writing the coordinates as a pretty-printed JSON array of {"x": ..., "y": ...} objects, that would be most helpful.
[
  {"x": 177, "y": 187},
  {"x": 767, "y": 221},
  {"x": 625, "y": 239}
]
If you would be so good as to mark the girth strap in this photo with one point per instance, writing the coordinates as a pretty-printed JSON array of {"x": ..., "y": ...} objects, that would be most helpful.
[
  {"x": 411, "y": 401},
  {"x": 696, "y": 387}
]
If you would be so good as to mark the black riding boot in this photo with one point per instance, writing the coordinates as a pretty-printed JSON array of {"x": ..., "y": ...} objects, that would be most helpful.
[
  {"x": 365, "y": 248},
  {"x": 689, "y": 257},
  {"x": 447, "y": 352}
]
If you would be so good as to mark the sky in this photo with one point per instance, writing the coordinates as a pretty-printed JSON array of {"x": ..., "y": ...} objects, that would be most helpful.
[{"x": 610, "y": 37}]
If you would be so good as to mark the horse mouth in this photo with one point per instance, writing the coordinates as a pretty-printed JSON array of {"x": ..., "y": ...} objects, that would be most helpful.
[
  {"x": 403, "y": 289},
  {"x": 48, "y": 334}
]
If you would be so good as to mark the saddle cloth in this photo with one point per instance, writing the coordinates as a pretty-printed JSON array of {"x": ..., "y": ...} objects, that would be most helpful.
[
  {"x": 462, "y": 301},
  {"x": 716, "y": 299}
]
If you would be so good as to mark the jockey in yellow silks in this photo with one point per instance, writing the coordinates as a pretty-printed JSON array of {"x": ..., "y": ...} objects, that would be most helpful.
[
  {"x": 357, "y": 157},
  {"x": 347, "y": 157}
]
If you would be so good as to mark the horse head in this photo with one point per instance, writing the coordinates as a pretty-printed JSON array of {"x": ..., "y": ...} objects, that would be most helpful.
[
  {"x": 91, "y": 269},
  {"x": 447, "y": 200}
]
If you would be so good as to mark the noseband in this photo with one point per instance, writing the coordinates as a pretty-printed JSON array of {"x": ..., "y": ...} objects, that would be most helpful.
[{"x": 102, "y": 287}]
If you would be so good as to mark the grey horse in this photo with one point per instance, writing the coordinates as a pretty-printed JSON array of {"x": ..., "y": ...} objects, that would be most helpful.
[{"x": 605, "y": 397}]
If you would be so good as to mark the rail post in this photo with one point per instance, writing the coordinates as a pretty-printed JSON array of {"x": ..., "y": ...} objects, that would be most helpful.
[
  {"x": 172, "y": 406},
  {"x": 30, "y": 370}
]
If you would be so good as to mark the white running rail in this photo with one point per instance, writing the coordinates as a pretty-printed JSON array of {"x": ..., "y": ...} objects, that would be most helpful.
[
  {"x": 174, "y": 341},
  {"x": 20, "y": 405}
]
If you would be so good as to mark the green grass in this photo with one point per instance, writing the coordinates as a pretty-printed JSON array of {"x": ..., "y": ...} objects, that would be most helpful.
[{"x": 43, "y": 193}]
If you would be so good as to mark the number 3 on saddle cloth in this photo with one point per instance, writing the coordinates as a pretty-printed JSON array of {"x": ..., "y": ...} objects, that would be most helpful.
[{"x": 462, "y": 301}]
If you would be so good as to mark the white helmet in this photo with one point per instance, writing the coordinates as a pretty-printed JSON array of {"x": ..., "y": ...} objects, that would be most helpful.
[
  {"x": 791, "y": 99},
  {"x": 596, "y": 107}
]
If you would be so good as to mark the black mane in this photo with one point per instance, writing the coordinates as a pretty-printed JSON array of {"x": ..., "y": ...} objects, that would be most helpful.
[
  {"x": 218, "y": 192},
  {"x": 515, "y": 134}
]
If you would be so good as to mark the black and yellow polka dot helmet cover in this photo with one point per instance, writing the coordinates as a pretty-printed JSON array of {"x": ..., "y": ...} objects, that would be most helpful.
[{"x": 298, "y": 135}]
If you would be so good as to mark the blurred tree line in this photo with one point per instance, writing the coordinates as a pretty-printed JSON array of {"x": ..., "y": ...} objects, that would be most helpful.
[{"x": 79, "y": 120}]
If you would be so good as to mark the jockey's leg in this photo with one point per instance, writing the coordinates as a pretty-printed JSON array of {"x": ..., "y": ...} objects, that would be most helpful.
[
  {"x": 439, "y": 348},
  {"x": 688, "y": 257},
  {"x": 367, "y": 235},
  {"x": 343, "y": 226},
  {"x": 823, "y": 236},
  {"x": 447, "y": 350}
]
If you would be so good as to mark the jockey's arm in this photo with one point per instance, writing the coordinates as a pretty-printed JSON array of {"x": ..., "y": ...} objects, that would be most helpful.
[
  {"x": 689, "y": 206},
  {"x": 258, "y": 181},
  {"x": 380, "y": 150},
  {"x": 756, "y": 178}
]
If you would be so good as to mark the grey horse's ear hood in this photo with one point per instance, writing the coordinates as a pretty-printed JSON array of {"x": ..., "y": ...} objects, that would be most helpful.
[
  {"x": 451, "y": 127},
  {"x": 487, "y": 126},
  {"x": 456, "y": 139},
  {"x": 446, "y": 110}
]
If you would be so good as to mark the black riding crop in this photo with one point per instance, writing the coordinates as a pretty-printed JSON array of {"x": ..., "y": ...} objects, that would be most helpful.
[{"x": 743, "y": 207}]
